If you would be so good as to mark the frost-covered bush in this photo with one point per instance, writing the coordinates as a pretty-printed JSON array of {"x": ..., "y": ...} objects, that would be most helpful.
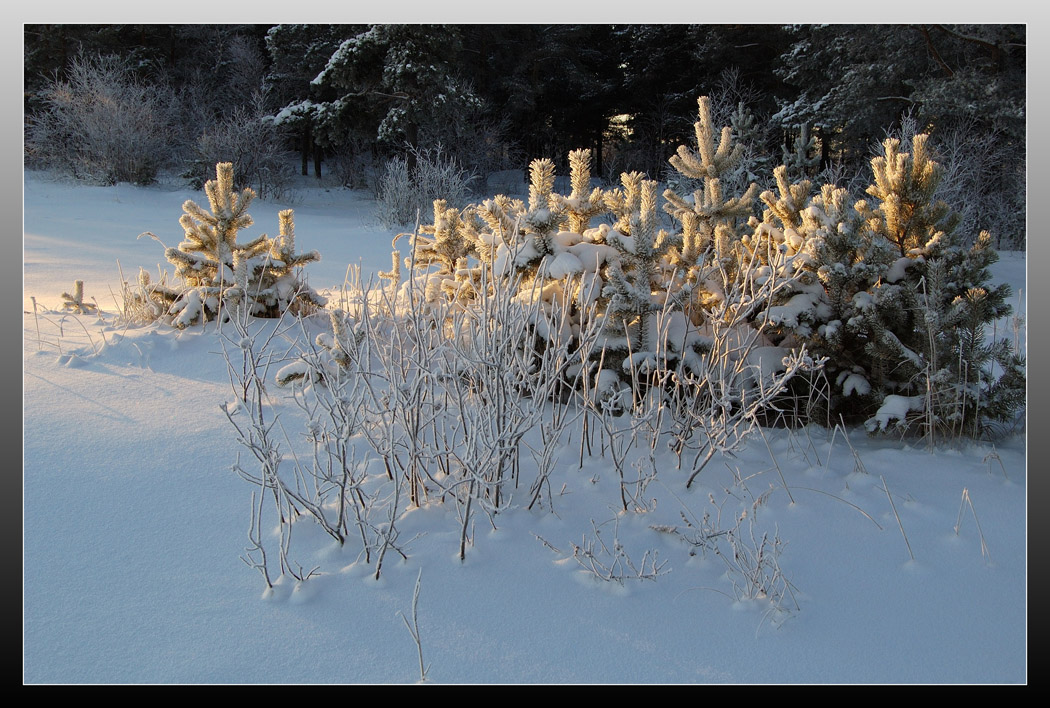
[
  {"x": 896, "y": 301},
  {"x": 220, "y": 276},
  {"x": 880, "y": 290},
  {"x": 408, "y": 186},
  {"x": 250, "y": 139},
  {"x": 103, "y": 124}
]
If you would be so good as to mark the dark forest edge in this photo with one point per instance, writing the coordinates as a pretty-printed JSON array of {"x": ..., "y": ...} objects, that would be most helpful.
[{"x": 350, "y": 99}]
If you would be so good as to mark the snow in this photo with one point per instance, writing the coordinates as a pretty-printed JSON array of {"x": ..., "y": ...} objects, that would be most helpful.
[
  {"x": 134, "y": 521},
  {"x": 853, "y": 383},
  {"x": 561, "y": 265},
  {"x": 894, "y": 408},
  {"x": 896, "y": 272}
]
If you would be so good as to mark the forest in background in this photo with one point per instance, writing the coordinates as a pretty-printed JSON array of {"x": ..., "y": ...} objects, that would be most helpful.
[{"x": 349, "y": 98}]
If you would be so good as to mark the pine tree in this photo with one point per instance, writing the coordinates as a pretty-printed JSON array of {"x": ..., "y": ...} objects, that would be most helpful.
[
  {"x": 711, "y": 222},
  {"x": 444, "y": 248},
  {"x": 908, "y": 215},
  {"x": 803, "y": 158},
  {"x": 297, "y": 54},
  {"x": 583, "y": 203},
  {"x": 902, "y": 308},
  {"x": 217, "y": 272},
  {"x": 397, "y": 83},
  {"x": 635, "y": 278},
  {"x": 75, "y": 302}
]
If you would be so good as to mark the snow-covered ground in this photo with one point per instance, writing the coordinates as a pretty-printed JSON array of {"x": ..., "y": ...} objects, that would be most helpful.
[{"x": 134, "y": 521}]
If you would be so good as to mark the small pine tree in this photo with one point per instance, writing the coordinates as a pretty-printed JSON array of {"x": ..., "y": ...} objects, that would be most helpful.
[
  {"x": 633, "y": 277},
  {"x": 709, "y": 219},
  {"x": 583, "y": 203},
  {"x": 704, "y": 255},
  {"x": 75, "y": 302},
  {"x": 908, "y": 215},
  {"x": 444, "y": 248},
  {"x": 217, "y": 272},
  {"x": 902, "y": 309},
  {"x": 803, "y": 158}
]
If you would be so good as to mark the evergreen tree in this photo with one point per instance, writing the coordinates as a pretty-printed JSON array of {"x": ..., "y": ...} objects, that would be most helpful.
[
  {"x": 584, "y": 202},
  {"x": 219, "y": 273},
  {"x": 908, "y": 215},
  {"x": 75, "y": 302},
  {"x": 803, "y": 158},
  {"x": 444, "y": 250},
  {"x": 399, "y": 80},
  {"x": 635, "y": 278},
  {"x": 867, "y": 90},
  {"x": 709, "y": 218},
  {"x": 297, "y": 55},
  {"x": 904, "y": 308}
]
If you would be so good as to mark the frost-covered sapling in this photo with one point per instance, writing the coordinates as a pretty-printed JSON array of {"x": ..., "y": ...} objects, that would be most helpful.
[
  {"x": 634, "y": 280},
  {"x": 931, "y": 308},
  {"x": 883, "y": 290},
  {"x": 75, "y": 302},
  {"x": 584, "y": 202},
  {"x": 216, "y": 270}
]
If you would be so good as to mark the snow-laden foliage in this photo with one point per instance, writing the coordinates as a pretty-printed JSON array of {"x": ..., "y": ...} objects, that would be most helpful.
[
  {"x": 895, "y": 303},
  {"x": 219, "y": 274},
  {"x": 877, "y": 289}
]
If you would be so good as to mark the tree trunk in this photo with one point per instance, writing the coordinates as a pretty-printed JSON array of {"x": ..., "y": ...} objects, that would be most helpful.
[
  {"x": 598, "y": 164},
  {"x": 304, "y": 149},
  {"x": 825, "y": 146},
  {"x": 412, "y": 138}
]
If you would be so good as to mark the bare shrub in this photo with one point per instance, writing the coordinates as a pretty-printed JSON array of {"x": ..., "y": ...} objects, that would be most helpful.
[
  {"x": 405, "y": 191},
  {"x": 103, "y": 124},
  {"x": 353, "y": 164},
  {"x": 248, "y": 138}
]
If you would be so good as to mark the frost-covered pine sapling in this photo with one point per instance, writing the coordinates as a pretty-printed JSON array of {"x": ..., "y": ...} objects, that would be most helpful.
[
  {"x": 787, "y": 203},
  {"x": 530, "y": 241},
  {"x": 924, "y": 292},
  {"x": 754, "y": 163},
  {"x": 75, "y": 302},
  {"x": 583, "y": 203},
  {"x": 521, "y": 235},
  {"x": 541, "y": 223},
  {"x": 624, "y": 202},
  {"x": 442, "y": 250},
  {"x": 781, "y": 249},
  {"x": 204, "y": 260},
  {"x": 208, "y": 257},
  {"x": 708, "y": 163},
  {"x": 803, "y": 157},
  {"x": 279, "y": 287},
  {"x": 710, "y": 220},
  {"x": 635, "y": 278},
  {"x": 908, "y": 214},
  {"x": 968, "y": 381},
  {"x": 503, "y": 215},
  {"x": 848, "y": 261}
]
